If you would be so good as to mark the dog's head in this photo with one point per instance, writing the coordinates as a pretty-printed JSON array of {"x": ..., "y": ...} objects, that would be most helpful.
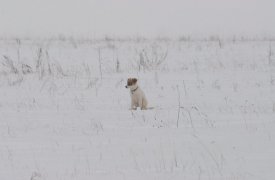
[{"x": 131, "y": 82}]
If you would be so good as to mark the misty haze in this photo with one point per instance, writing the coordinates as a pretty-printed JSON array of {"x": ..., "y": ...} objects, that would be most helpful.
[{"x": 199, "y": 101}]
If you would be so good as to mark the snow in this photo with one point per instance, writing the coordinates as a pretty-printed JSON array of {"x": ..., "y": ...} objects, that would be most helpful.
[{"x": 68, "y": 117}]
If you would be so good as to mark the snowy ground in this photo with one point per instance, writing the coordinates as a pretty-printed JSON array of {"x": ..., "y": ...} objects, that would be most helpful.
[{"x": 64, "y": 110}]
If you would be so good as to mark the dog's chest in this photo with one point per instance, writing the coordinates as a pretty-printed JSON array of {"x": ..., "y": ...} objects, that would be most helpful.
[{"x": 136, "y": 95}]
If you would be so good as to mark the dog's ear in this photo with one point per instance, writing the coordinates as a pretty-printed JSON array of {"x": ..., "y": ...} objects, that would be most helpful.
[
  {"x": 134, "y": 80},
  {"x": 129, "y": 81}
]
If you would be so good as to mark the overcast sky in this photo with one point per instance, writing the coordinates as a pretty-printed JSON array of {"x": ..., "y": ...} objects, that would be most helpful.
[{"x": 136, "y": 17}]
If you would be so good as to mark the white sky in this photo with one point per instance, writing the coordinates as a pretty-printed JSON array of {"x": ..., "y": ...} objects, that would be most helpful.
[{"x": 136, "y": 17}]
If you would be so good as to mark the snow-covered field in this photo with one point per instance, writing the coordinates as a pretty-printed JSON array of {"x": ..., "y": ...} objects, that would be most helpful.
[{"x": 64, "y": 110}]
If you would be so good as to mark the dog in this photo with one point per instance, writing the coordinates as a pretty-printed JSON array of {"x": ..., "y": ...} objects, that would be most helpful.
[{"x": 138, "y": 98}]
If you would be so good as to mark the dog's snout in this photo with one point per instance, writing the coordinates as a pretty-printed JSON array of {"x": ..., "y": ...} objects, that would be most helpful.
[{"x": 126, "y": 86}]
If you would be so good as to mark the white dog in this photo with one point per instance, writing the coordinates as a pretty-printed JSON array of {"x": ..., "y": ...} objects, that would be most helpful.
[{"x": 138, "y": 98}]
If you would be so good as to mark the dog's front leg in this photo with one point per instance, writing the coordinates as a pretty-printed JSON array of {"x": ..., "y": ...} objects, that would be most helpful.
[{"x": 133, "y": 107}]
